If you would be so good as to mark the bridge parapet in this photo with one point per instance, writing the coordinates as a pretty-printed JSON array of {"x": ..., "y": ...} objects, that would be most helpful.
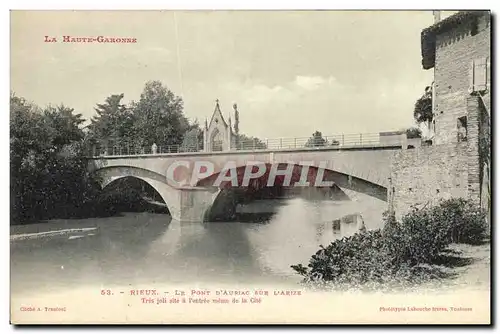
[
  {"x": 342, "y": 141},
  {"x": 371, "y": 164}
]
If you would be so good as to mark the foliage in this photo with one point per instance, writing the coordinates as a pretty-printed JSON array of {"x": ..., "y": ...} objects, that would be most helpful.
[
  {"x": 113, "y": 121},
  {"x": 413, "y": 132},
  {"x": 466, "y": 222},
  {"x": 418, "y": 238},
  {"x": 399, "y": 251},
  {"x": 246, "y": 142},
  {"x": 423, "y": 107},
  {"x": 48, "y": 171},
  {"x": 349, "y": 260},
  {"x": 316, "y": 140},
  {"x": 335, "y": 142},
  {"x": 156, "y": 118},
  {"x": 46, "y": 168},
  {"x": 192, "y": 139},
  {"x": 159, "y": 117}
]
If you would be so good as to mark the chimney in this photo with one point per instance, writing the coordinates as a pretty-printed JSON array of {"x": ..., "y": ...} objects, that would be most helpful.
[{"x": 437, "y": 15}]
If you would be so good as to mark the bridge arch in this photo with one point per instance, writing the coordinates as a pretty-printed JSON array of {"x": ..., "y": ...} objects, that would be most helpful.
[
  {"x": 342, "y": 180},
  {"x": 108, "y": 175}
]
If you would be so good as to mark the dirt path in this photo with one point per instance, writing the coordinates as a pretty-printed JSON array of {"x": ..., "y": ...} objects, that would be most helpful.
[
  {"x": 468, "y": 268},
  {"x": 475, "y": 275}
]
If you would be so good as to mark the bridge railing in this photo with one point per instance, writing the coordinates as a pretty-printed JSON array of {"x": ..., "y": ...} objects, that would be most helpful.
[
  {"x": 343, "y": 140},
  {"x": 113, "y": 150},
  {"x": 340, "y": 141}
]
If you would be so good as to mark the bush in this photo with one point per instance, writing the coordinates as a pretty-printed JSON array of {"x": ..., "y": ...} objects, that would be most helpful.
[
  {"x": 419, "y": 238},
  {"x": 466, "y": 221},
  {"x": 354, "y": 260},
  {"x": 400, "y": 249}
]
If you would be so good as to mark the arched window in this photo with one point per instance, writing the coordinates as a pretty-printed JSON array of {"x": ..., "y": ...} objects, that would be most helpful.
[{"x": 216, "y": 140}]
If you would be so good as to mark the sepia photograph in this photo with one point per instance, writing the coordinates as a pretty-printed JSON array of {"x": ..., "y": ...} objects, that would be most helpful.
[{"x": 241, "y": 167}]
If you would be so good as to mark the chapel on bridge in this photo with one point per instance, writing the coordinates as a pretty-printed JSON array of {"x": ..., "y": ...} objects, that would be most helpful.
[{"x": 219, "y": 135}]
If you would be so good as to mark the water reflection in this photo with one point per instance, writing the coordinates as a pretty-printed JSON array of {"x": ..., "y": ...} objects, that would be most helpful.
[{"x": 147, "y": 248}]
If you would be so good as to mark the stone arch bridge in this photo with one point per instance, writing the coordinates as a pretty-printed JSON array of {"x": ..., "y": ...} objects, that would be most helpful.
[{"x": 189, "y": 197}]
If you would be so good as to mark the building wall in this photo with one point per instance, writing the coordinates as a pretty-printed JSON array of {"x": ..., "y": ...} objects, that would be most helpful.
[
  {"x": 455, "y": 50},
  {"x": 479, "y": 153},
  {"x": 423, "y": 176},
  {"x": 450, "y": 168}
]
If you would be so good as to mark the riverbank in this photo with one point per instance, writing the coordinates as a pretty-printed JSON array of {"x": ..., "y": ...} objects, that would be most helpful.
[{"x": 468, "y": 267}]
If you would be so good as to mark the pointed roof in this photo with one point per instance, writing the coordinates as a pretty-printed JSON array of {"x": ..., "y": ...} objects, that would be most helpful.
[{"x": 217, "y": 112}]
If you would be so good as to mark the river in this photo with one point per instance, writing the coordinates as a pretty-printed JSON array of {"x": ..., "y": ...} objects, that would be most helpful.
[{"x": 134, "y": 249}]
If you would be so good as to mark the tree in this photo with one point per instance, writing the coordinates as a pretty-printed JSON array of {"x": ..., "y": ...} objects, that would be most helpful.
[
  {"x": 413, "y": 132},
  {"x": 193, "y": 138},
  {"x": 113, "y": 121},
  {"x": 159, "y": 116},
  {"x": 47, "y": 169},
  {"x": 64, "y": 124},
  {"x": 316, "y": 140},
  {"x": 423, "y": 107},
  {"x": 249, "y": 143},
  {"x": 28, "y": 137}
]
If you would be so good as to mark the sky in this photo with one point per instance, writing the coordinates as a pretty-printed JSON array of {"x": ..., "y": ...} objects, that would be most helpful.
[{"x": 290, "y": 72}]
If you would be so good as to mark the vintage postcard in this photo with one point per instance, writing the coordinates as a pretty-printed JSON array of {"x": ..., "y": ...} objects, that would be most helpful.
[{"x": 250, "y": 167}]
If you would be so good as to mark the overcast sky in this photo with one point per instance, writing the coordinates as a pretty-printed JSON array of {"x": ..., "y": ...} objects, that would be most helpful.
[{"x": 291, "y": 73}]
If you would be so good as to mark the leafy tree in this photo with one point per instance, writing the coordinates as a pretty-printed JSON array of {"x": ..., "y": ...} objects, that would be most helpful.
[
  {"x": 28, "y": 137},
  {"x": 47, "y": 171},
  {"x": 193, "y": 138},
  {"x": 423, "y": 107},
  {"x": 247, "y": 142},
  {"x": 316, "y": 140},
  {"x": 64, "y": 124},
  {"x": 113, "y": 121},
  {"x": 413, "y": 132},
  {"x": 159, "y": 116}
]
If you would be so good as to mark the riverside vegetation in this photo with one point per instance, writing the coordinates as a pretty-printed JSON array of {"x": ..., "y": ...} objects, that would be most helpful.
[
  {"x": 401, "y": 253},
  {"x": 49, "y": 148}
]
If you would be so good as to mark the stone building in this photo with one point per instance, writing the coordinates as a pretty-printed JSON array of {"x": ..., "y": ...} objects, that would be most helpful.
[
  {"x": 218, "y": 135},
  {"x": 458, "y": 49},
  {"x": 457, "y": 164}
]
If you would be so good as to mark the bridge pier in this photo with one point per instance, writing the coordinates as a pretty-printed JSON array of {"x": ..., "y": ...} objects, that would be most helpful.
[
  {"x": 185, "y": 204},
  {"x": 192, "y": 203}
]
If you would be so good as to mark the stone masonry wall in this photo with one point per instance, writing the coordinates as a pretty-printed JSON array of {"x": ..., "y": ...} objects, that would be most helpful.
[
  {"x": 455, "y": 50},
  {"x": 423, "y": 176},
  {"x": 473, "y": 153},
  {"x": 485, "y": 159}
]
